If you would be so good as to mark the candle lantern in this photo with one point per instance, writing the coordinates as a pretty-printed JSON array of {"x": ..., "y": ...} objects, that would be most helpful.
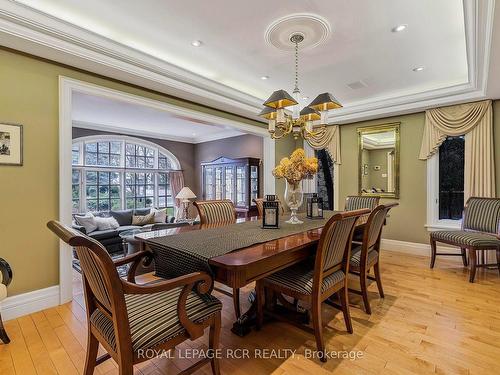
[
  {"x": 270, "y": 212},
  {"x": 315, "y": 207}
]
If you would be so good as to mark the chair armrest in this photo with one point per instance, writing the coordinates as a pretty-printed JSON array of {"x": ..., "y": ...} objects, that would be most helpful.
[
  {"x": 131, "y": 258},
  {"x": 135, "y": 259},
  {"x": 6, "y": 272},
  {"x": 203, "y": 280},
  {"x": 203, "y": 283}
]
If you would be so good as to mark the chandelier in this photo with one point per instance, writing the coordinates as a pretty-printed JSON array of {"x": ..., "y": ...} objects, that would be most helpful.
[{"x": 298, "y": 121}]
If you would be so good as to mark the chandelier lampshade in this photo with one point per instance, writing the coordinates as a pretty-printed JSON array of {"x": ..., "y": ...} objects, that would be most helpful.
[
  {"x": 325, "y": 102},
  {"x": 280, "y": 99},
  {"x": 309, "y": 114},
  {"x": 268, "y": 113}
]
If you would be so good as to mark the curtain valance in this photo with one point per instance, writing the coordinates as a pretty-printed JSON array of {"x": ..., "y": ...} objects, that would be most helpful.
[
  {"x": 329, "y": 139},
  {"x": 475, "y": 121}
]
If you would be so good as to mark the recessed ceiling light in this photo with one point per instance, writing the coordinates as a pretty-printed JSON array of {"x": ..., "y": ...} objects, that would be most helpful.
[
  {"x": 193, "y": 134},
  {"x": 418, "y": 69},
  {"x": 264, "y": 78},
  {"x": 399, "y": 28},
  {"x": 196, "y": 43}
]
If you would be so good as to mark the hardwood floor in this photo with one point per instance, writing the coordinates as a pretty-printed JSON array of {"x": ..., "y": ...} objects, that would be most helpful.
[{"x": 431, "y": 321}]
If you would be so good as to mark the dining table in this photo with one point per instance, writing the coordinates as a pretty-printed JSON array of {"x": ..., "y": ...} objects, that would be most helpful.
[{"x": 235, "y": 254}]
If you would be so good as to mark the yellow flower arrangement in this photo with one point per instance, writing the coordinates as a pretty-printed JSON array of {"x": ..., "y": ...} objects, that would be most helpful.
[{"x": 297, "y": 167}]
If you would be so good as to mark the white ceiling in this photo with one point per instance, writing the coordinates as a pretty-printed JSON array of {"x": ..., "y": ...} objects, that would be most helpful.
[
  {"x": 100, "y": 113},
  {"x": 149, "y": 43},
  {"x": 361, "y": 47}
]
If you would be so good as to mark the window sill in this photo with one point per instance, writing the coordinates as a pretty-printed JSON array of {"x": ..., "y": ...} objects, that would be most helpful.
[{"x": 444, "y": 226}]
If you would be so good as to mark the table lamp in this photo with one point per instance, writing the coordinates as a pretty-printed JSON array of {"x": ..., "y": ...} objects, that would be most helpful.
[{"x": 185, "y": 195}]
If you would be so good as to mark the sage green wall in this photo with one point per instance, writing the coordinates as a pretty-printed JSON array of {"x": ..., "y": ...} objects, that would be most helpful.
[
  {"x": 378, "y": 157},
  {"x": 408, "y": 219},
  {"x": 29, "y": 194}
]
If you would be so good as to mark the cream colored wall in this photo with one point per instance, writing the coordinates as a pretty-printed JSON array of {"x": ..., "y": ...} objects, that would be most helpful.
[
  {"x": 29, "y": 194},
  {"x": 408, "y": 219}
]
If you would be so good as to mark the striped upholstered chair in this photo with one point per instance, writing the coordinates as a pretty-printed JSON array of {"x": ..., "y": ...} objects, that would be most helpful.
[
  {"x": 259, "y": 203},
  {"x": 480, "y": 231},
  {"x": 220, "y": 212},
  {"x": 129, "y": 319},
  {"x": 366, "y": 254},
  {"x": 6, "y": 273},
  {"x": 356, "y": 202},
  {"x": 216, "y": 212},
  {"x": 314, "y": 283}
]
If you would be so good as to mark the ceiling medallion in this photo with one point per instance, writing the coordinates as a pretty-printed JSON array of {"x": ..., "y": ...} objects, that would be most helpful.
[
  {"x": 314, "y": 29},
  {"x": 307, "y": 122}
]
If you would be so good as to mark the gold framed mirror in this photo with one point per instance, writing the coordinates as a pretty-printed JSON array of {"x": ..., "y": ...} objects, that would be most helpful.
[{"x": 378, "y": 160}]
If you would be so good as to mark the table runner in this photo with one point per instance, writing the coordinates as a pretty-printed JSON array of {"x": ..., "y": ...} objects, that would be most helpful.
[{"x": 187, "y": 252}]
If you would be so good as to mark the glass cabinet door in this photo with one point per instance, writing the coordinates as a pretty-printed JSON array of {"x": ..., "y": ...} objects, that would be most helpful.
[
  {"x": 218, "y": 183},
  {"x": 209, "y": 183},
  {"x": 241, "y": 194},
  {"x": 229, "y": 183},
  {"x": 254, "y": 184}
]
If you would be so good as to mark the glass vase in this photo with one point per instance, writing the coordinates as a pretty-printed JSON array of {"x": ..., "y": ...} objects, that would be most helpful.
[{"x": 294, "y": 197}]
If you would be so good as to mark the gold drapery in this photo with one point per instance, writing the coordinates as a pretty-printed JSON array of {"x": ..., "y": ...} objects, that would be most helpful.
[
  {"x": 475, "y": 120},
  {"x": 329, "y": 139}
]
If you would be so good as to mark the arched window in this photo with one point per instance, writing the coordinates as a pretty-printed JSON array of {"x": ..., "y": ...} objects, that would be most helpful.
[{"x": 118, "y": 172}]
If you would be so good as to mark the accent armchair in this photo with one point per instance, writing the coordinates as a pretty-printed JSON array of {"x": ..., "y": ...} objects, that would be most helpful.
[
  {"x": 6, "y": 272},
  {"x": 128, "y": 319},
  {"x": 480, "y": 232}
]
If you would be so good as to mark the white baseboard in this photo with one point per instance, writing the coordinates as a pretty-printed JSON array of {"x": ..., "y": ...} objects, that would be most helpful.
[
  {"x": 414, "y": 248},
  {"x": 27, "y": 303}
]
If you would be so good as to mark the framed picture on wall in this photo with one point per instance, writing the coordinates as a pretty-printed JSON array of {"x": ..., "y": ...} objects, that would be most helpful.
[{"x": 11, "y": 144}]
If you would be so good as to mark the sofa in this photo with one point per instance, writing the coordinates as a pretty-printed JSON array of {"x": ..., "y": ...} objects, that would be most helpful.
[{"x": 110, "y": 238}]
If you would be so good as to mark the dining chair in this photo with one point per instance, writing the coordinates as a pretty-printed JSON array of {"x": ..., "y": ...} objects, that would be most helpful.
[
  {"x": 259, "y": 203},
  {"x": 318, "y": 281},
  {"x": 131, "y": 320},
  {"x": 216, "y": 211},
  {"x": 480, "y": 231},
  {"x": 220, "y": 212},
  {"x": 366, "y": 254},
  {"x": 6, "y": 272},
  {"x": 356, "y": 202}
]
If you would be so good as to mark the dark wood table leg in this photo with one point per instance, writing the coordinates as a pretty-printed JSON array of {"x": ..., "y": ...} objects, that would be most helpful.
[
  {"x": 248, "y": 319},
  {"x": 289, "y": 311}
]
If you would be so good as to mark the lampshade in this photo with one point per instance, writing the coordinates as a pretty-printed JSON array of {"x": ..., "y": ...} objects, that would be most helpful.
[
  {"x": 185, "y": 193},
  {"x": 268, "y": 113},
  {"x": 309, "y": 114},
  {"x": 280, "y": 99},
  {"x": 325, "y": 102}
]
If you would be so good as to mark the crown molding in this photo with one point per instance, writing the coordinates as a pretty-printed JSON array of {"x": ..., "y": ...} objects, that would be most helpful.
[
  {"x": 155, "y": 135},
  {"x": 32, "y": 31}
]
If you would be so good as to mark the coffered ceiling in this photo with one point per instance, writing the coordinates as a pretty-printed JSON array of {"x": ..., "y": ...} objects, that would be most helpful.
[{"x": 366, "y": 65}]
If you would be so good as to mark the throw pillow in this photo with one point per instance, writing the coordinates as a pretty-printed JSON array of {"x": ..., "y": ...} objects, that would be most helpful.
[
  {"x": 87, "y": 221},
  {"x": 124, "y": 217},
  {"x": 143, "y": 220},
  {"x": 160, "y": 215},
  {"x": 106, "y": 223},
  {"x": 142, "y": 211}
]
